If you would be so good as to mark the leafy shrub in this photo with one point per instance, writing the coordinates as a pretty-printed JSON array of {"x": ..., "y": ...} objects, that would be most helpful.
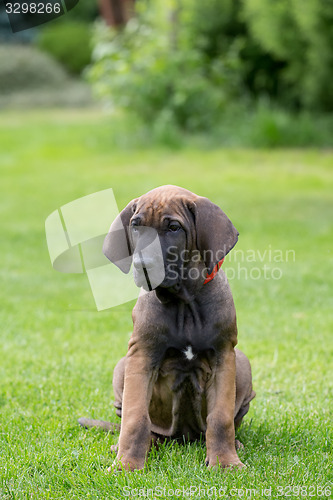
[
  {"x": 273, "y": 127},
  {"x": 284, "y": 46},
  {"x": 218, "y": 66},
  {"x": 24, "y": 67},
  {"x": 266, "y": 125},
  {"x": 68, "y": 42},
  {"x": 300, "y": 34},
  {"x": 217, "y": 28},
  {"x": 141, "y": 70}
]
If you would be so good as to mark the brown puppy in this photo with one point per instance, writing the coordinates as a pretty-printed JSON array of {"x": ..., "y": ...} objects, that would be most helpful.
[{"x": 182, "y": 376}]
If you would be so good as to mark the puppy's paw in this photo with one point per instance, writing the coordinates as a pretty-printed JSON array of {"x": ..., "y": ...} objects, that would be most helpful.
[
  {"x": 123, "y": 464},
  {"x": 228, "y": 464}
]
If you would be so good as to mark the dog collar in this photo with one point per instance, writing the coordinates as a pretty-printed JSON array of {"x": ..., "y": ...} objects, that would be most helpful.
[{"x": 214, "y": 272}]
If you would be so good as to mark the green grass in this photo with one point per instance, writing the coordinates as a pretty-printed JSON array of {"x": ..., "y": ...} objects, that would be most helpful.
[{"x": 58, "y": 353}]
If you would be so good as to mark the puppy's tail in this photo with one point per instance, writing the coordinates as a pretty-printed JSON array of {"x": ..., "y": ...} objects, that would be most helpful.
[{"x": 89, "y": 423}]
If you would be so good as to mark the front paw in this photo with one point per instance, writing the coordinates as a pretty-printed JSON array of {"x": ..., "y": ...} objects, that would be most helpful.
[
  {"x": 127, "y": 464},
  {"x": 225, "y": 462}
]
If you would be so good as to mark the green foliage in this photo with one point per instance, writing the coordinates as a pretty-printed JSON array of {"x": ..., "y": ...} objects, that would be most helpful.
[
  {"x": 218, "y": 28},
  {"x": 262, "y": 126},
  {"x": 274, "y": 127},
  {"x": 284, "y": 47},
  {"x": 85, "y": 11},
  {"x": 184, "y": 65},
  {"x": 266, "y": 125},
  {"x": 300, "y": 34},
  {"x": 69, "y": 42},
  {"x": 24, "y": 67},
  {"x": 214, "y": 26},
  {"x": 152, "y": 73}
]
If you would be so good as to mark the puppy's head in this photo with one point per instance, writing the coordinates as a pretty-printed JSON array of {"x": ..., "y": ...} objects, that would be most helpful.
[{"x": 166, "y": 233}]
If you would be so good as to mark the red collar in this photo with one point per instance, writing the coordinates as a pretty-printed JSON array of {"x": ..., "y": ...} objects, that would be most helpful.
[{"x": 214, "y": 272}]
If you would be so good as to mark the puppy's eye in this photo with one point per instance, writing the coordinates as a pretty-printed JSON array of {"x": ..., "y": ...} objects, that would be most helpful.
[{"x": 174, "y": 226}]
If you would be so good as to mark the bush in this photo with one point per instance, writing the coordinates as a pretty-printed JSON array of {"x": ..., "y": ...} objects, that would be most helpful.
[
  {"x": 209, "y": 67},
  {"x": 24, "y": 68},
  {"x": 140, "y": 70},
  {"x": 284, "y": 47},
  {"x": 271, "y": 127},
  {"x": 217, "y": 28},
  {"x": 300, "y": 34},
  {"x": 69, "y": 43}
]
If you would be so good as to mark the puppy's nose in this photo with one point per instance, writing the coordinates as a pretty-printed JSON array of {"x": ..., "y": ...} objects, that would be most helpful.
[{"x": 139, "y": 262}]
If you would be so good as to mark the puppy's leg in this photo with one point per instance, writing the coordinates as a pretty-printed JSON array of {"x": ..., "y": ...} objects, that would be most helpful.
[
  {"x": 221, "y": 394},
  {"x": 118, "y": 389},
  {"x": 135, "y": 434},
  {"x": 244, "y": 391}
]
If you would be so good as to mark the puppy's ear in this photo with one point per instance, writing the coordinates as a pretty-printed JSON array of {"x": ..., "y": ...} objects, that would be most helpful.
[
  {"x": 117, "y": 245},
  {"x": 215, "y": 233}
]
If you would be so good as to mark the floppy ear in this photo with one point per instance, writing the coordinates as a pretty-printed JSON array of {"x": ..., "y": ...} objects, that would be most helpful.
[
  {"x": 215, "y": 233},
  {"x": 117, "y": 246}
]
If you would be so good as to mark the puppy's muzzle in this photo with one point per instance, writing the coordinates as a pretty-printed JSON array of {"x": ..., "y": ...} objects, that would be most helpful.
[{"x": 148, "y": 262}]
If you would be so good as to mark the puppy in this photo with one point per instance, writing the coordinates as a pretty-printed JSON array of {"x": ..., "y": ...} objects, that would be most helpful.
[{"x": 182, "y": 377}]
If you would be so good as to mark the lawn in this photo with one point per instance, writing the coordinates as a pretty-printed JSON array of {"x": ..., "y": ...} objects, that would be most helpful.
[{"x": 58, "y": 353}]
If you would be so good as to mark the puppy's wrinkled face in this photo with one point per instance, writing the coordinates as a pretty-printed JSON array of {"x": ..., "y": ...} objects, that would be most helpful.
[
  {"x": 159, "y": 238},
  {"x": 174, "y": 238}
]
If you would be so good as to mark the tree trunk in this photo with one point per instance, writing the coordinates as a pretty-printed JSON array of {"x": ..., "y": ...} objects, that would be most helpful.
[{"x": 116, "y": 12}]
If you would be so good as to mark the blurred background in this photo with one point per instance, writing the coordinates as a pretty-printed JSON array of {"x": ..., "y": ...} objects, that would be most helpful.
[{"x": 228, "y": 72}]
